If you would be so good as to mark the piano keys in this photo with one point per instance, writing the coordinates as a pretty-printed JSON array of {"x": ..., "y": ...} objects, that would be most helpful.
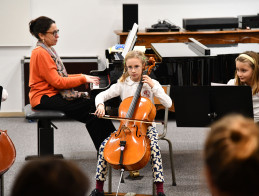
[{"x": 108, "y": 76}]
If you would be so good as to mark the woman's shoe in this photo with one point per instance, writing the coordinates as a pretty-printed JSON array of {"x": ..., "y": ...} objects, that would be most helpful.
[
  {"x": 96, "y": 192},
  {"x": 160, "y": 194}
]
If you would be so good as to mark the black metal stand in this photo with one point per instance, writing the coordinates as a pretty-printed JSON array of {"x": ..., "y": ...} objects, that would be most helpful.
[
  {"x": 2, "y": 185},
  {"x": 45, "y": 136}
]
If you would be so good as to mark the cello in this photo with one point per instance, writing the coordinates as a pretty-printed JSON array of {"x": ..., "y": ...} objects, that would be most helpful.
[
  {"x": 129, "y": 147},
  {"x": 7, "y": 152},
  {"x": 7, "y": 155}
]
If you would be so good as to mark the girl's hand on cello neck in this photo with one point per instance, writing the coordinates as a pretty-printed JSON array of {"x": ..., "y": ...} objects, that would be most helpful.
[
  {"x": 100, "y": 111},
  {"x": 148, "y": 80}
]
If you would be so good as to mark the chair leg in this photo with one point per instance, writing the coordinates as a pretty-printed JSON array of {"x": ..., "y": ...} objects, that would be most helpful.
[
  {"x": 45, "y": 137},
  {"x": 109, "y": 179},
  {"x": 153, "y": 189},
  {"x": 2, "y": 185},
  {"x": 171, "y": 160}
]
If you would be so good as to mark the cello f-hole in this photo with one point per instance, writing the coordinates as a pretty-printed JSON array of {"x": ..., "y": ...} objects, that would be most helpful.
[
  {"x": 122, "y": 128},
  {"x": 137, "y": 131},
  {"x": 116, "y": 135}
]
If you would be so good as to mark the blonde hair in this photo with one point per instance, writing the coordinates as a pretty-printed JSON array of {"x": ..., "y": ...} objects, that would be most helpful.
[
  {"x": 132, "y": 54},
  {"x": 232, "y": 155},
  {"x": 252, "y": 59}
]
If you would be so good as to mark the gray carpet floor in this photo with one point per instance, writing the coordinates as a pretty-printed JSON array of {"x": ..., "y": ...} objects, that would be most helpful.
[{"x": 73, "y": 141}]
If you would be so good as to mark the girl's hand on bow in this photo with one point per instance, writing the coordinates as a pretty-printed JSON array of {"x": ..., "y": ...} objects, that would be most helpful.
[{"x": 100, "y": 111}]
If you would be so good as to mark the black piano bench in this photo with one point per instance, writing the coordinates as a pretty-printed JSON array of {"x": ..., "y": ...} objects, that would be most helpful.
[{"x": 45, "y": 129}]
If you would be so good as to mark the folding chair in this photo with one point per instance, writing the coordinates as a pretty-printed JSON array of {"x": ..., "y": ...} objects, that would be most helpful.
[{"x": 163, "y": 132}]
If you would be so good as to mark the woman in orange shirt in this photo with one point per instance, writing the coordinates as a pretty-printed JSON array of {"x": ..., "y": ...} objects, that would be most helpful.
[{"x": 51, "y": 88}]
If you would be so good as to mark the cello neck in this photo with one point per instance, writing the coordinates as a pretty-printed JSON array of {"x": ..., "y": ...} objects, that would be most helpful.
[
  {"x": 135, "y": 98},
  {"x": 134, "y": 101}
]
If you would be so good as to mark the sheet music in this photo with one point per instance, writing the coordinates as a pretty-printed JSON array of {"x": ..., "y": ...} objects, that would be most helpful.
[
  {"x": 133, "y": 43},
  {"x": 130, "y": 40},
  {"x": 94, "y": 86},
  {"x": 107, "y": 63},
  {"x": 218, "y": 84}
]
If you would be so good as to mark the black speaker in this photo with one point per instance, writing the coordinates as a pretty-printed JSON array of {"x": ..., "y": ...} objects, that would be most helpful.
[
  {"x": 193, "y": 24},
  {"x": 130, "y": 16},
  {"x": 248, "y": 21}
]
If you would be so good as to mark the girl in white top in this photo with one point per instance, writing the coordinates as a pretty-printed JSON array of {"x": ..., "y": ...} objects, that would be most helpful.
[
  {"x": 126, "y": 87},
  {"x": 247, "y": 73}
]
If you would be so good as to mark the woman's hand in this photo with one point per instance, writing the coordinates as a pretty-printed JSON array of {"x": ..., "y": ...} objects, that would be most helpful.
[
  {"x": 148, "y": 80},
  {"x": 92, "y": 79},
  {"x": 100, "y": 111}
]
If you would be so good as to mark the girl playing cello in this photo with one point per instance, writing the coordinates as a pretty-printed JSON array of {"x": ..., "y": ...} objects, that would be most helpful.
[{"x": 126, "y": 86}]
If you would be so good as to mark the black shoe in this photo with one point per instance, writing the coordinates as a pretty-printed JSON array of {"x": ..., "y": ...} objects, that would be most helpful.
[
  {"x": 95, "y": 192},
  {"x": 161, "y": 194}
]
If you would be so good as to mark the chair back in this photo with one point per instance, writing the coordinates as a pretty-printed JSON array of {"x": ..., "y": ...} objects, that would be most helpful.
[{"x": 160, "y": 106}]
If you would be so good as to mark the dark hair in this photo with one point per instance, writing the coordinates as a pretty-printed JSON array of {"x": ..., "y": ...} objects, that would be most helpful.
[
  {"x": 232, "y": 156},
  {"x": 52, "y": 177},
  {"x": 40, "y": 25}
]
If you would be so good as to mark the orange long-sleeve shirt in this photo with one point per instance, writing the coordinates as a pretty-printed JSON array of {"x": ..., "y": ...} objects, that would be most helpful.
[{"x": 44, "y": 78}]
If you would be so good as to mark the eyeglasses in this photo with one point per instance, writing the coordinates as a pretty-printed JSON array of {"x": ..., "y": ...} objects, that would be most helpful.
[
  {"x": 135, "y": 67},
  {"x": 54, "y": 33}
]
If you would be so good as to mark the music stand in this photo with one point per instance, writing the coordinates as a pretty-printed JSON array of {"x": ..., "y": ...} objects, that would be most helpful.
[
  {"x": 131, "y": 40},
  {"x": 199, "y": 106}
]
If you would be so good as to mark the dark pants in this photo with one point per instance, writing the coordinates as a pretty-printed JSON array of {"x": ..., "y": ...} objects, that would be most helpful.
[{"x": 80, "y": 109}]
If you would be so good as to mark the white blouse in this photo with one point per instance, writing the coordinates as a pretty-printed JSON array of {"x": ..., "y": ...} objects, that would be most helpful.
[{"x": 128, "y": 88}]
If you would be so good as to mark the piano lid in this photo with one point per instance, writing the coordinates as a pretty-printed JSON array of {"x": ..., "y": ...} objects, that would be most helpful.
[
  {"x": 169, "y": 51},
  {"x": 176, "y": 51},
  {"x": 220, "y": 49}
]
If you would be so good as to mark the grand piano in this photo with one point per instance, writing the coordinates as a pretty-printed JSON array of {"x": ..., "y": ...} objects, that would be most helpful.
[
  {"x": 196, "y": 64},
  {"x": 187, "y": 64},
  {"x": 191, "y": 63}
]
